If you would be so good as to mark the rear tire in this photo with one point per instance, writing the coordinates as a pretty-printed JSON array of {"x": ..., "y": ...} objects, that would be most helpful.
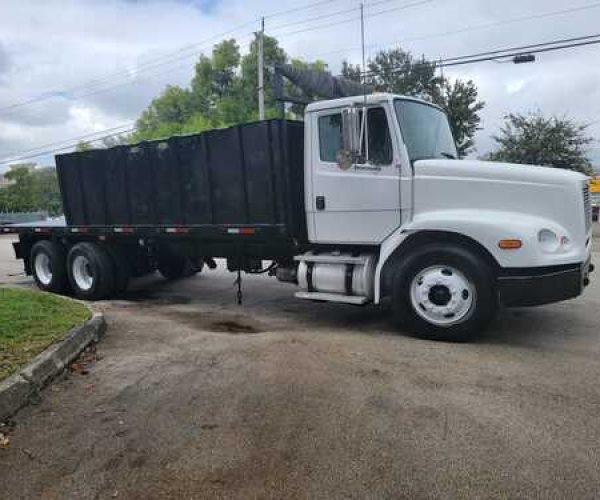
[
  {"x": 91, "y": 271},
  {"x": 444, "y": 292},
  {"x": 48, "y": 266}
]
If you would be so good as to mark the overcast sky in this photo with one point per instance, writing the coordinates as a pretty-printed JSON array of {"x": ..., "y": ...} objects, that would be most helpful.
[{"x": 74, "y": 67}]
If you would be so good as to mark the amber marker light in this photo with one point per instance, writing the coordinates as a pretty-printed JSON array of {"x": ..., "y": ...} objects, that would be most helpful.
[{"x": 510, "y": 244}]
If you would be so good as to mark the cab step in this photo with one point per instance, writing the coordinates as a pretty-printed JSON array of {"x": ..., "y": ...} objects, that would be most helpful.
[
  {"x": 333, "y": 297},
  {"x": 331, "y": 259}
]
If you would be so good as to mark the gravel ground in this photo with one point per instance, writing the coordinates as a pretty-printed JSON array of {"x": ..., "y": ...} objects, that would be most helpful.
[{"x": 195, "y": 397}]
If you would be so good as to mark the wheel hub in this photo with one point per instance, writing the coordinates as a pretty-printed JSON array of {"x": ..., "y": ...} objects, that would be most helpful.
[
  {"x": 43, "y": 268},
  {"x": 82, "y": 274},
  {"x": 439, "y": 295},
  {"x": 442, "y": 295}
]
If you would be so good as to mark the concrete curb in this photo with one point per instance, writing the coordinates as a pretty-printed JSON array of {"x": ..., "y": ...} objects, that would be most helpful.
[{"x": 19, "y": 389}]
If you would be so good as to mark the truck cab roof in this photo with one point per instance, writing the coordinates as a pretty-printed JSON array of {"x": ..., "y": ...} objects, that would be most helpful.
[{"x": 358, "y": 100}]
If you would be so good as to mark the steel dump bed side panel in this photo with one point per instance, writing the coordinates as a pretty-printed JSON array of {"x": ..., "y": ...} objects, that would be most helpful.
[{"x": 209, "y": 185}]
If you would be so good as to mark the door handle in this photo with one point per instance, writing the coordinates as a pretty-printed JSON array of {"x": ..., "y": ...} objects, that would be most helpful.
[{"x": 320, "y": 202}]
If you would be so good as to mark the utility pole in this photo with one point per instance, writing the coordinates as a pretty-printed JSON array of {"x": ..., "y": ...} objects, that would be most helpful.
[{"x": 261, "y": 69}]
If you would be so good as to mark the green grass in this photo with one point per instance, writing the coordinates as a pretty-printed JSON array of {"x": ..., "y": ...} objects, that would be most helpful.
[{"x": 30, "y": 321}]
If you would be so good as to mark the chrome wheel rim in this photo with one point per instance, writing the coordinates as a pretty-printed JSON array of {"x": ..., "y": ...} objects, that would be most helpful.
[
  {"x": 82, "y": 274},
  {"x": 43, "y": 270},
  {"x": 442, "y": 295}
]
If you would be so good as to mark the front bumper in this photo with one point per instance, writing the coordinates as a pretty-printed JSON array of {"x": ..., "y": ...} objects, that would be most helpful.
[{"x": 536, "y": 286}]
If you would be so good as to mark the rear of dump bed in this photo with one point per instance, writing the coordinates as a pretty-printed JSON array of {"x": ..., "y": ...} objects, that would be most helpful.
[{"x": 247, "y": 175}]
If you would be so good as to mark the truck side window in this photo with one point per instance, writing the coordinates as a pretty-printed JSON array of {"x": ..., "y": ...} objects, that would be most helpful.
[
  {"x": 380, "y": 142},
  {"x": 330, "y": 136}
]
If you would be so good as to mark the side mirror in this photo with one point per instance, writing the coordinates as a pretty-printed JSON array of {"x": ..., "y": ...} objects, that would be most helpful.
[{"x": 351, "y": 132}]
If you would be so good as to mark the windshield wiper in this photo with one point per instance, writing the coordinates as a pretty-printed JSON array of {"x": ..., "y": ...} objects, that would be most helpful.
[{"x": 450, "y": 156}]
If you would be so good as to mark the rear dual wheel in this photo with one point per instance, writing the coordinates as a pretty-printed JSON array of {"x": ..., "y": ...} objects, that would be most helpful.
[
  {"x": 48, "y": 266},
  {"x": 88, "y": 269},
  {"x": 91, "y": 271}
]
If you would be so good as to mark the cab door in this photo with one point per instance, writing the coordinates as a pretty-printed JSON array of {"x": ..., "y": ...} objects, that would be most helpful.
[{"x": 360, "y": 204}]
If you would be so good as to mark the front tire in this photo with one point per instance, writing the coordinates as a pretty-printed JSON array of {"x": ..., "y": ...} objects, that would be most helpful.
[
  {"x": 444, "y": 292},
  {"x": 91, "y": 271},
  {"x": 48, "y": 266}
]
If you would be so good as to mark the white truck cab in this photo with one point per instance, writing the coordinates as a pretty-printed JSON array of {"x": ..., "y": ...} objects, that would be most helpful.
[{"x": 395, "y": 214}]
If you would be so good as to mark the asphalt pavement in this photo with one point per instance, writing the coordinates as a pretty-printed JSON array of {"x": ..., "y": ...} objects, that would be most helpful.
[{"x": 194, "y": 396}]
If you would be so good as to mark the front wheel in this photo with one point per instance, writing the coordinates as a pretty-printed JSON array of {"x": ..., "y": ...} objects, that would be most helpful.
[{"x": 444, "y": 292}]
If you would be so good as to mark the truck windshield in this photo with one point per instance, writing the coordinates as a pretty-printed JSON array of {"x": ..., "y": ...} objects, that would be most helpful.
[{"x": 425, "y": 130}]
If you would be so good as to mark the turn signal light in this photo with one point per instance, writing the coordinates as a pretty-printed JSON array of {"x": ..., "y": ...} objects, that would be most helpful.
[{"x": 510, "y": 244}]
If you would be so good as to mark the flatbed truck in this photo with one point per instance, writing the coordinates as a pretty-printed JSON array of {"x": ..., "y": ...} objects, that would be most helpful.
[{"x": 363, "y": 202}]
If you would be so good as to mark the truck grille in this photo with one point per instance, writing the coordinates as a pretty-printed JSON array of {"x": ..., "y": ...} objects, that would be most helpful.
[{"x": 587, "y": 207}]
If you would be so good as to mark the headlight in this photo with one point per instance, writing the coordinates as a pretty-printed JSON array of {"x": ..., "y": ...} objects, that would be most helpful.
[
  {"x": 552, "y": 242},
  {"x": 549, "y": 240}
]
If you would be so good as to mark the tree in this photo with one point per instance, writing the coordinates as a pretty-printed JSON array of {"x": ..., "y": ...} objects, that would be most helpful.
[
  {"x": 46, "y": 194},
  {"x": 31, "y": 189},
  {"x": 83, "y": 146},
  {"x": 223, "y": 91},
  {"x": 459, "y": 99},
  {"x": 165, "y": 114},
  {"x": 18, "y": 196},
  {"x": 538, "y": 140},
  {"x": 399, "y": 72},
  {"x": 111, "y": 141},
  {"x": 215, "y": 77},
  {"x": 273, "y": 55}
]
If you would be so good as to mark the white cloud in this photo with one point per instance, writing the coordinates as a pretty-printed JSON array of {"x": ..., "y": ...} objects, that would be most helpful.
[
  {"x": 515, "y": 86},
  {"x": 87, "y": 118}
]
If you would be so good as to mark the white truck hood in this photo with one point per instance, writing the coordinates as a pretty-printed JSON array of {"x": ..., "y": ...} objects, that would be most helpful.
[
  {"x": 510, "y": 172},
  {"x": 511, "y": 199}
]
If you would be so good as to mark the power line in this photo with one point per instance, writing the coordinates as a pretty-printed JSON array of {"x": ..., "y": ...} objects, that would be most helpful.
[
  {"x": 130, "y": 82},
  {"x": 101, "y": 90},
  {"x": 98, "y": 83},
  {"x": 467, "y": 29},
  {"x": 7, "y": 160},
  {"x": 149, "y": 67},
  {"x": 297, "y": 9},
  {"x": 96, "y": 87},
  {"x": 77, "y": 139},
  {"x": 523, "y": 48},
  {"x": 549, "y": 46},
  {"x": 455, "y": 61},
  {"x": 356, "y": 18},
  {"x": 336, "y": 13},
  {"x": 159, "y": 61},
  {"x": 504, "y": 22},
  {"x": 314, "y": 28},
  {"x": 465, "y": 60},
  {"x": 170, "y": 59}
]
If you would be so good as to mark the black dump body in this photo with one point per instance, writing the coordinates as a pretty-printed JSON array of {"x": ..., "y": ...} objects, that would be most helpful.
[{"x": 247, "y": 175}]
